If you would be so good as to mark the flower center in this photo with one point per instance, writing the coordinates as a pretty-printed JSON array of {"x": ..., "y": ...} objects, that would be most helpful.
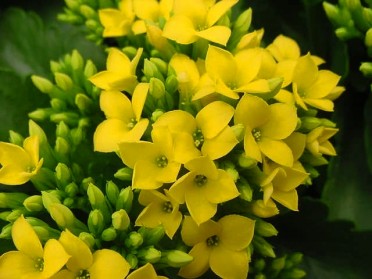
[
  {"x": 161, "y": 161},
  {"x": 39, "y": 264},
  {"x": 132, "y": 122},
  {"x": 212, "y": 241},
  {"x": 200, "y": 180},
  {"x": 83, "y": 274},
  {"x": 198, "y": 138},
  {"x": 167, "y": 207},
  {"x": 256, "y": 134}
]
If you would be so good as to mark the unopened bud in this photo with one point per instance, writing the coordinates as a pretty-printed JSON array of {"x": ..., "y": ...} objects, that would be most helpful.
[
  {"x": 175, "y": 258},
  {"x": 152, "y": 236},
  {"x": 112, "y": 192},
  {"x": 150, "y": 255},
  {"x": 6, "y": 231},
  {"x": 156, "y": 114},
  {"x": 88, "y": 239},
  {"x": 160, "y": 64},
  {"x": 132, "y": 260},
  {"x": 109, "y": 234},
  {"x": 62, "y": 215},
  {"x": 259, "y": 265},
  {"x": 171, "y": 84},
  {"x": 58, "y": 105},
  {"x": 34, "y": 203},
  {"x": 120, "y": 220},
  {"x": 83, "y": 102},
  {"x": 278, "y": 264},
  {"x": 77, "y": 61},
  {"x": 40, "y": 114},
  {"x": 62, "y": 147},
  {"x": 70, "y": 118},
  {"x": 90, "y": 69},
  {"x": 157, "y": 88},
  {"x": 134, "y": 240},
  {"x": 243, "y": 22},
  {"x": 125, "y": 199},
  {"x": 49, "y": 198},
  {"x": 124, "y": 174},
  {"x": 16, "y": 138},
  {"x": 98, "y": 201},
  {"x": 88, "y": 12},
  {"x": 150, "y": 70},
  {"x": 310, "y": 123},
  {"x": 263, "y": 247},
  {"x": 129, "y": 51},
  {"x": 295, "y": 273},
  {"x": 63, "y": 81},
  {"x": 15, "y": 214},
  {"x": 246, "y": 162},
  {"x": 44, "y": 180},
  {"x": 43, "y": 84},
  {"x": 63, "y": 174},
  {"x": 73, "y": 5},
  {"x": 12, "y": 200},
  {"x": 265, "y": 229}
]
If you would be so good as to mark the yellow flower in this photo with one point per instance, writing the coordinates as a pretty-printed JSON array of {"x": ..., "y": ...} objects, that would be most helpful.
[
  {"x": 317, "y": 141},
  {"x": 124, "y": 122},
  {"x": 202, "y": 188},
  {"x": 153, "y": 162},
  {"x": 117, "y": 22},
  {"x": 221, "y": 245},
  {"x": 160, "y": 210},
  {"x": 18, "y": 165},
  {"x": 145, "y": 272},
  {"x": 264, "y": 210},
  {"x": 313, "y": 87},
  {"x": 208, "y": 131},
  {"x": 232, "y": 74},
  {"x": 120, "y": 74},
  {"x": 104, "y": 263},
  {"x": 265, "y": 128},
  {"x": 196, "y": 19},
  {"x": 31, "y": 260}
]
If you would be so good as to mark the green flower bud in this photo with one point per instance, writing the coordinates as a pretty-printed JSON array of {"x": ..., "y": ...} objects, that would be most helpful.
[
  {"x": 69, "y": 202},
  {"x": 120, "y": 220},
  {"x": 132, "y": 260},
  {"x": 156, "y": 114},
  {"x": 125, "y": 199},
  {"x": 63, "y": 174},
  {"x": 73, "y": 5},
  {"x": 65, "y": 219},
  {"x": 260, "y": 276},
  {"x": 259, "y": 265},
  {"x": 161, "y": 65},
  {"x": 62, "y": 130},
  {"x": 71, "y": 189},
  {"x": 112, "y": 192},
  {"x": 134, "y": 240},
  {"x": 16, "y": 138},
  {"x": 309, "y": 123},
  {"x": 238, "y": 130},
  {"x": 15, "y": 214},
  {"x": 328, "y": 123},
  {"x": 278, "y": 264},
  {"x": 70, "y": 118},
  {"x": 152, "y": 236},
  {"x": 150, "y": 70},
  {"x": 41, "y": 232},
  {"x": 129, "y": 51},
  {"x": 175, "y": 258},
  {"x": 4, "y": 215},
  {"x": 265, "y": 229},
  {"x": 84, "y": 103},
  {"x": 98, "y": 201},
  {"x": 263, "y": 247},
  {"x": 88, "y": 12},
  {"x": 246, "y": 162},
  {"x": 62, "y": 148},
  {"x": 12, "y": 200},
  {"x": 40, "y": 114},
  {"x": 243, "y": 22},
  {"x": 157, "y": 88},
  {"x": 43, "y": 84},
  {"x": 92, "y": 24},
  {"x": 368, "y": 38},
  {"x": 90, "y": 69},
  {"x": 295, "y": 273},
  {"x": 55, "y": 66},
  {"x": 296, "y": 258},
  {"x": 34, "y": 203},
  {"x": 88, "y": 239},
  {"x": 332, "y": 12},
  {"x": 51, "y": 197},
  {"x": 367, "y": 16},
  {"x": 171, "y": 84},
  {"x": 6, "y": 232},
  {"x": 44, "y": 180},
  {"x": 86, "y": 182},
  {"x": 58, "y": 105},
  {"x": 77, "y": 61},
  {"x": 246, "y": 192},
  {"x": 149, "y": 255},
  {"x": 77, "y": 135},
  {"x": 96, "y": 223},
  {"x": 345, "y": 34},
  {"x": 63, "y": 81}
]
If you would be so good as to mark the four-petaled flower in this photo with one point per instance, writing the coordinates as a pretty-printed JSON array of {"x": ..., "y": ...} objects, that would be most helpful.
[
  {"x": 18, "y": 165},
  {"x": 221, "y": 246},
  {"x": 31, "y": 260},
  {"x": 202, "y": 188},
  {"x": 317, "y": 141}
]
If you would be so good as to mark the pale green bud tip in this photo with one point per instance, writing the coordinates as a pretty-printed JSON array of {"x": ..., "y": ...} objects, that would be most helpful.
[
  {"x": 70, "y": 118},
  {"x": 77, "y": 61},
  {"x": 353, "y": 4},
  {"x": 331, "y": 10},
  {"x": 58, "y": 104},
  {"x": 62, "y": 215},
  {"x": 43, "y": 84},
  {"x": 150, "y": 69},
  {"x": 238, "y": 130},
  {"x": 112, "y": 192},
  {"x": 171, "y": 83},
  {"x": 157, "y": 88},
  {"x": 73, "y": 4},
  {"x": 233, "y": 173},
  {"x": 88, "y": 12},
  {"x": 259, "y": 264},
  {"x": 39, "y": 114},
  {"x": 176, "y": 258},
  {"x": 41, "y": 232},
  {"x": 62, "y": 147},
  {"x": 132, "y": 260},
  {"x": 16, "y": 138},
  {"x": 263, "y": 247},
  {"x": 150, "y": 255},
  {"x": 90, "y": 69},
  {"x": 120, "y": 220},
  {"x": 265, "y": 229},
  {"x": 368, "y": 38},
  {"x": 63, "y": 174},
  {"x": 12, "y": 200},
  {"x": 296, "y": 258},
  {"x": 310, "y": 123},
  {"x": 6, "y": 231},
  {"x": 83, "y": 102},
  {"x": 278, "y": 263},
  {"x": 134, "y": 240},
  {"x": 295, "y": 273},
  {"x": 63, "y": 81},
  {"x": 95, "y": 195},
  {"x": 34, "y": 203},
  {"x": 62, "y": 130},
  {"x": 246, "y": 162},
  {"x": 109, "y": 234},
  {"x": 124, "y": 174},
  {"x": 156, "y": 114},
  {"x": 244, "y": 21},
  {"x": 88, "y": 239},
  {"x": 160, "y": 64},
  {"x": 152, "y": 235},
  {"x": 129, "y": 51}
]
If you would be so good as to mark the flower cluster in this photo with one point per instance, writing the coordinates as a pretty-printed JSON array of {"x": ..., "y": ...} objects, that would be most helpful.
[{"x": 204, "y": 133}]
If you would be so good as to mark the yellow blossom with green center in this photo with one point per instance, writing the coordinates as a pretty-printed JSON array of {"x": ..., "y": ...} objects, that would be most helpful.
[
  {"x": 117, "y": 22},
  {"x": 84, "y": 264},
  {"x": 145, "y": 272},
  {"x": 31, "y": 260},
  {"x": 221, "y": 246},
  {"x": 229, "y": 74},
  {"x": 317, "y": 141},
  {"x": 195, "y": 19},
  {"x": 161, "y": 209},
  {"x": 206, "y": 134},
  {"x": 203, "y": 188},
  {"x": 18, "y": 165},
  {"x": 120, "y": 74},
  {"x": 314, "y": 87},
  {"x": 124, "y": 121},
  {"x": 265, "y": 128},
  {"x": 153, "y": 162}
]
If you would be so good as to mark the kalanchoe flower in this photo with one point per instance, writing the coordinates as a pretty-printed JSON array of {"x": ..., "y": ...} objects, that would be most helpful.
[
  {"x": 120, "y": 74},
  {"x": 104, "y": 263},
  {"x": 124, "y": 121},
  {"x": 203, "y": 188},
  {"x": 317, "y": 141},
  {"x": 19, "y": 165},
  {"x": 31, "y": 260},
  {"x": 221, "y": 246},
  {"x": 147, "y": 271}
]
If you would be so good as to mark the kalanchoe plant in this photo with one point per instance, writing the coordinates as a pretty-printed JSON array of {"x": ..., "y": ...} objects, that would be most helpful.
[{"x": 168, "y": 162}]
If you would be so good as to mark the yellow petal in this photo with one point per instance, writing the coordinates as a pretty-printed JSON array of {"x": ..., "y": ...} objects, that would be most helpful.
[
  {"x": 277, "y": 151},
  {"x": 297, "y": 96},
  {"x": 221, "y": 190},
  {"x": 180, "y": 28},
  {"x": 256, "y": 86},
  {"x": 25, "y": 239},
  {"x": 192, "y": 233},
  {"x": 64, "y": 274},
  {"x": 184, "y": 148},
  {"x": 216, "y": 34},
  {"x": 118, "y": 62},
  {"x": 132, "y": 152},
  {"x": 11, "y": 154},
  {"x": 218, "y": 10},
  {"x": 135, "y": 61},
  {"x": 116, "y": 105},
  {"x": 138, "y": 99},
  {"x": 113, "y": 81},
  {"x": 177, "y": 121},
  {"x": 323, "y": 86},
  {"x": 251, "y": 147},
  {"x": 147, "y": 271},
  {"x": 14, "y": 175},
  {"x": 200, "y": 263},
  {"x": 31, "y": 146},
  {"x": 178, "y": 189},
  {"x": 284, "y": 48},
  {"x": 323, "y": 104},
  {"x": 203, "y": 165},
  {"x": 108, "y": 264},
  {"x": 296, "y": 141},
  {"x": 285, "y": 70},
  {"x": 229, "y": 264},
  {"x": 283, "y": 121},
  {"x": 146, "y": 175},
  {"x": 15, "y": 264},
  {"x": 220, "y": 145},
  {"x": 117, "y": 131},
  {"x": 291, "y": 180},
  {"x": 287, "y": 199},
  {"x": 305, "y": 73},
  {"x": 146, "y": 9},
  {"x": 248, "y": 62},
  {"x": 116, "y": 23},
  {"x": 171, "y": 223},
  {"x": 81, "y": 256},
  {"x": 55, "y": 257},
  {"x": 251, "y": 111},
  {"x": 224, "y": 90},
  {"x": 213, "y": 118}
]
